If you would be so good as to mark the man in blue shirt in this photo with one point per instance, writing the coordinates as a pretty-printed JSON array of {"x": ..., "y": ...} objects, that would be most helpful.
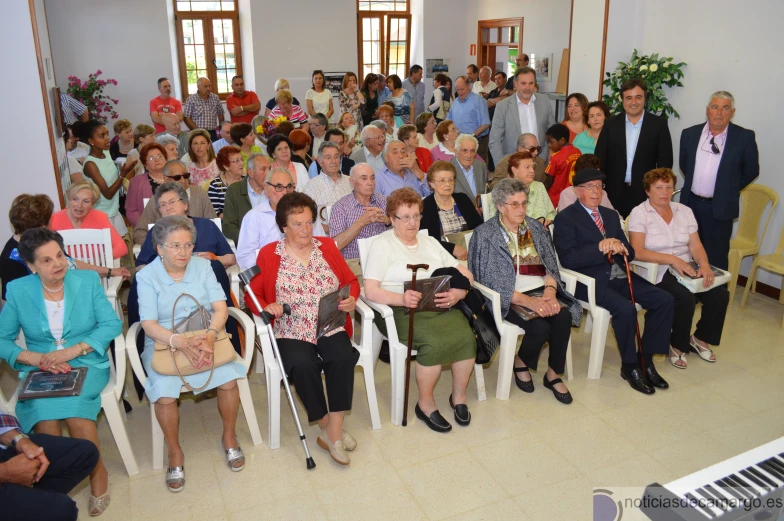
[
  {"x": 470, "y": 114},
  {"x": 397, "y": 173},
  {"x": 414, "y": 85}
]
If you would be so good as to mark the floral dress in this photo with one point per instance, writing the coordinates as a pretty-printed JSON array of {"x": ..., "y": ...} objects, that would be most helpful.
[
  {"x": 346, "y": 102},
  {"x": 201, "y": 175}
]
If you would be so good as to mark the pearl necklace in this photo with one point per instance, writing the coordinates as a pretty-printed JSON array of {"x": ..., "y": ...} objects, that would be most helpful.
[{"x": 53, "y": 290}]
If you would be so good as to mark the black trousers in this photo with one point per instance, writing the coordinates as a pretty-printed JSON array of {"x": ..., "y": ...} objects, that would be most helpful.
[
  {"x": 659, "y": 307},
  {"x": 70, "y": 461},
  {"x": 629, "y": 199},
  {"x": 714, "y": 234},
  {"x": 714, "y": 310},
  {"x": 303, "y": 362},
  {"x": 555, "y": 330}
]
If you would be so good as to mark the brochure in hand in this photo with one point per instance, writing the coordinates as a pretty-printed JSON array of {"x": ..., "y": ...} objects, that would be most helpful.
[
  {"x": 43, "y": 384},
  {"x": 329, "y": 316},
  {"x": 429, "y": 288},
  {"x": 527, "y": 314},
  {"x": 694, "y": 284}
]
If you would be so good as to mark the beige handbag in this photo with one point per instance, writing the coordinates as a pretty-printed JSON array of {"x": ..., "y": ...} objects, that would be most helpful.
[{"x": 169, "y": 361}]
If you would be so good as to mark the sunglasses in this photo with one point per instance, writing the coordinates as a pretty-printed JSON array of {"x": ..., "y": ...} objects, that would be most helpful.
[
  {"x": 535, "y": 149},
  {"x": 178, "y": 177}
]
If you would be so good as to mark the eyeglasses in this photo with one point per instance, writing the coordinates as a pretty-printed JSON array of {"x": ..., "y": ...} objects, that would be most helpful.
[
  {"x": 444, "y": 181},
  {"x": 282, "y": 188},
  {"x": 236, "y": 162},
  {"x": 714, "y": 147},
  {"x": 186, "y": 175},
  {"x": 188, "y": 246},
  {"x": 156, "y": 158},
  {"x": 516, "y": 206},
  {"x": 408, "y": 218},
  {"x": 664, "y": 188},
  {"x": 168, "y": 204},
  {"x": 534, "y": 149},
  {"x": 597, "y": 186}
]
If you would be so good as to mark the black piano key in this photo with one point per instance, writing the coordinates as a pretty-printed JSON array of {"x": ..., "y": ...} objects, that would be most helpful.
[
  {"x": 773, "y": 471},
  {"x": 721, "y": 502},
  {"x": 777, "y": 463},
  {"x": 749, "y": 489},
  {"x": 728, "y": 489},
  {"x": 710, "y": 499},
  {"x": 737, "y": 487},
  {"x": 754, "y": 471},
  {"x": 699, "y": 505}
]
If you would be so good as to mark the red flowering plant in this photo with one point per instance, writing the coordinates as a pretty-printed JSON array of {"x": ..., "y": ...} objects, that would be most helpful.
[
  {"x": 90, "y": 92},
  {"x": 267, "y": 127}
]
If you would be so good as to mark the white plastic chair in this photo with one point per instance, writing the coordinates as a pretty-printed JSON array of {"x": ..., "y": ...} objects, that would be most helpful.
[
  {"x": 367, "y": 360},
  {"x": 242, "y": 383},
  {"x": 647, "y": 270},
  {"x": 488, "y": 208},
  {"x": 397, "y": 350},
  {"x": 510, "y": 333},
  {"x": 145, "y": 200},
  {"x": 111, "y": 397}
]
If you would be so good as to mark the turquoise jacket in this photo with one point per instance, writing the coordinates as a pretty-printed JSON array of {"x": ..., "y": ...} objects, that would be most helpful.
[{"x": 89, "y": 318}]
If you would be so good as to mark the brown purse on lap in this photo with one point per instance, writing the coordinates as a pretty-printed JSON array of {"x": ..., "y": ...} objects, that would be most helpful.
[{"x": 170, "y": 361}]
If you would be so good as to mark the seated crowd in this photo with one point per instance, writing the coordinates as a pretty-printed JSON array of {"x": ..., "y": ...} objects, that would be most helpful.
[{"x": 379, "y": 163}]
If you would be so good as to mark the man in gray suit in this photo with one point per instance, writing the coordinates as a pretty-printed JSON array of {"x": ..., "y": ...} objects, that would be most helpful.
[
  {"x": 471, "y": 172},
  {"x": 524, "y": 112},
  {"x": 373, "y": 141}
]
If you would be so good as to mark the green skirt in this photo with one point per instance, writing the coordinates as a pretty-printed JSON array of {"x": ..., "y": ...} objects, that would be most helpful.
[{"x": 439, "y": 338}]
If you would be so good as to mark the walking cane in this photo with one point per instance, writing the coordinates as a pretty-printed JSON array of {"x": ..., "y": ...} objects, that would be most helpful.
[
  {"x": 634, "y": 303},
  {"x": 414, "y": 268},
  {"x": 246, "y": 276}
]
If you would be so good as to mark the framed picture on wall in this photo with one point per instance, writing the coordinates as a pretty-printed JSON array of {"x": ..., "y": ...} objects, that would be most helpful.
[
  {"x": 334, "y": 82},
  {"x": 543, "y": 65},
  {"x": 58, "y": 111}
]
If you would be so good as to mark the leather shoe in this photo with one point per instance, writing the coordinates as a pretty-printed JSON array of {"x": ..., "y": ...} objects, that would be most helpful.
[
  {"x": 435, "y": 421},
  {"x": 462, "y": 414},
  {"x": 654, "y": 379},
  {"x": 561, "y": 397},
  {"x": 337, "y": 450},
  {"x": 637, "y": 380},
  {"x": 526, "y": 387}
]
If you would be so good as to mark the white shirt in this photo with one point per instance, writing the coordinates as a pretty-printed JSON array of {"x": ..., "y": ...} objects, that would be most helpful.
[
  {"x": 326, "y": 192},
  {"x": 55, "y": 314},
  {"x": 487, "y": 89},
  {"x": 257, "y": 230},
  {"x": 377, "y": 162},
  {"x": 632, "y": 136},
  {"x": 527, "y": 115}
]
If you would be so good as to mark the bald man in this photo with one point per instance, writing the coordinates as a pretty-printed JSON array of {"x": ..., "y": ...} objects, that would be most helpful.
[
  {"x": 204, "y": 109},
  {"x": 484, "y": 85}
]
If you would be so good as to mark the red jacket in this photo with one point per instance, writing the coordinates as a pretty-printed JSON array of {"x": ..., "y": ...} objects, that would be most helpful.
[
  {"x": 424, "y": 160},
  {"x": 263, "y": 285}
]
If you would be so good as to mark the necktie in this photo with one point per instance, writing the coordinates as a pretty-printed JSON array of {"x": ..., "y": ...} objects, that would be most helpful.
[{"x": 598, "y": 221}]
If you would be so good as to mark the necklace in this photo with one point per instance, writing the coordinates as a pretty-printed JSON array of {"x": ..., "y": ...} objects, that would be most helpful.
[
  {"x": 175, "y": 280},
  {"x": 412, "y": 249},
  {"x": 58, "y": 302},
  {"x": 53, "y": 290},
  {"x": 450, "y": 205}
]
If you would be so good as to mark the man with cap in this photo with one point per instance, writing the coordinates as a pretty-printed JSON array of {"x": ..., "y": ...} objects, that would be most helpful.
[{"x": 585, "y": 234}]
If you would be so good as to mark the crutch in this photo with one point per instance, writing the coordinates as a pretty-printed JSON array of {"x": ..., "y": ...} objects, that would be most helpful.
[
  {"x": 414, "y": 268},
  {"x": 634, "y": 303},
  {"x": 246, "y": 276}
]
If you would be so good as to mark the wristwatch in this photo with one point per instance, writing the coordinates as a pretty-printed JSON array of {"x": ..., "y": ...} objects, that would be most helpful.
[
  {"x": 20, "y": 436},
  {"x": 109, "y": 274}
]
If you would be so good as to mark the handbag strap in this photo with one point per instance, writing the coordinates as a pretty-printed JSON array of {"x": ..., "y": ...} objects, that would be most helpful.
[
  {"x": 172, "y": 350},
  {"x": 203, "y": 311}
]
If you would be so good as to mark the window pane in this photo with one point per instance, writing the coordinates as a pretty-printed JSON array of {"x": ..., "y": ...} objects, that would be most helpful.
[
  {"x": 383, "y": 5},
  {"x": 187, "y": 32},
  {"x": 230, "y": 58},
  {"x": 201, "y": 59},
  {"x": 228, "y": 6},
  {"x": 217, "y": 31},
  {"x": 183, "y": 6},
  {"x": 223, "y": 81},
  {"x": 205, "y": 5},
  {"x": 228, "y": 31},
  {"x": 198, "y": 32}
]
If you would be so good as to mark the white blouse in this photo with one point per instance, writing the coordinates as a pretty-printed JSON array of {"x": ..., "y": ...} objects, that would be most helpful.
[{"x": 55, "y": 315}]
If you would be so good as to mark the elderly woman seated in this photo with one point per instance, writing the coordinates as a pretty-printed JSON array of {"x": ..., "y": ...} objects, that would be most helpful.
[
  {"x": 540, "y": 207},
  {"x": 170, "y": 144},
  {"x": 446, "y": 212},
  {"x": 153, "y": 156},
  {"x": 209, "y": 243},
  {"x": 175, "y": 271},
  {"x": 439, "y": 337},
  {"x": 665, "y": 232},
  {"x": 299, "y": 270},
  {"x": 67, "y": 323},
  {"x": 513, "y": 255}
]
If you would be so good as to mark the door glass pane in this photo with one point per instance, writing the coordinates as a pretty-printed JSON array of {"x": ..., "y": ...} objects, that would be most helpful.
[
  {"x": 505, "y": 32},
  {"x": 485, "y": 35},
  {"x": 183, "y": 6},
  {"x": 198, "y": 32},
  {"x": 227, "y": 6}
]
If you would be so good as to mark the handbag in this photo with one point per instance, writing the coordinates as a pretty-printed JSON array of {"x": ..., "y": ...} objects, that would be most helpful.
[
  {"x": 169, "y": 361},
  {"x": 480, "y": 318}
]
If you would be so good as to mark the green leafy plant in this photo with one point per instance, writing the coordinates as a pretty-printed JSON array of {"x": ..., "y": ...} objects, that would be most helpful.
[
  {"x": 90, "y": 92},
  {"x": 656, "y": 71}
]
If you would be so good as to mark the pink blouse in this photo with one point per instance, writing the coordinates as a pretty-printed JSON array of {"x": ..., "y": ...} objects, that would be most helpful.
[
  {"x": 660, "y": 237},
  {"x": 94, "y": 220},
  {"x": 302, "y": 287}
]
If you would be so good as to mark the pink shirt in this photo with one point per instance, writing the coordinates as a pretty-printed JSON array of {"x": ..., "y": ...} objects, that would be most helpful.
[
  {"x": 660, "y": 237},
  {"x": 569, "y": 196},
  {"x": 94, "y": 220},
  {"x": 706, "y": 165}
]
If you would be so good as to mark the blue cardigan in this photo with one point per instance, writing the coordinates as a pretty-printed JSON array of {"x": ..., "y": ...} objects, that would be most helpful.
[{"x": 89, "y": 318}]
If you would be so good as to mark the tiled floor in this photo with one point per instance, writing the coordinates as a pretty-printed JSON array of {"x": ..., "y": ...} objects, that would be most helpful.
[{"x": 528, "y": 458}]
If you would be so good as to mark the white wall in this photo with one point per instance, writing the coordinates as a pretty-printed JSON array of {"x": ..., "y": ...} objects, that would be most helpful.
[
  {"x": 586, "y": 52},
  {"x": 450, "y": 44},
  {"x": 28, "y": 164},
  {"x": 726, "y": 48}
]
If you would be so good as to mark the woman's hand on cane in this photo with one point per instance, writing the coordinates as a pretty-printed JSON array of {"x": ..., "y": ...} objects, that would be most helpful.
[{"x": 411, "y": 298}]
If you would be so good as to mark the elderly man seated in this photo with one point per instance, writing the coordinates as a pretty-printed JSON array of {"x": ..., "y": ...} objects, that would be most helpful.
[
  {"x": 397, "y": 172},
  {"x": 242, "y": 197},
  {"x": 199, "y": 206},
  {"x": 359, "y": 215},
  {"x": 174, "y": 128},
  {"x": 569, "y": 195},
  {"x": 525, "y": 143},
  {"x": 327, "y": 187},
  {"x": 225, "y": 137},
  {"x": 585, "y": 235},
  {"x": 258, "y": 226},
  {"x": 336, "y": 136},
  {"x": 471, "y": 172},
  {"x": 373, "y": 141},
  {"x": 318, "y": 130}
]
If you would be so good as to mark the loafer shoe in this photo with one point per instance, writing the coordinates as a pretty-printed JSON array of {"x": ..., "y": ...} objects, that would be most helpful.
[
  {"x": 349, "y": 442},
  {"x": 462, "y": 414},
  {"x": 337, "y": 450},
  {"x": 654, "y": 379},
  {"x": 435, "y": 421},
  {"x": 637, "y": 380}
]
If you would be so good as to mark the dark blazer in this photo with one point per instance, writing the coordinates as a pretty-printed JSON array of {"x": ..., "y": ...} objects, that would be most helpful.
[
  {"x": 480, "y": 177},
  {"x": 654, "y": 150},
  {"x": 345, "y": 165},
  {"x": 739, "y": 166},
  {"x": 236, "y": 205},
  {"x": 577, "y": 238},
  {"x": 432, "y": 223}
]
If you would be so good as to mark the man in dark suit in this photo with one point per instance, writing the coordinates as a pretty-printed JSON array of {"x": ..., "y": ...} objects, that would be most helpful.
[
  {"x": 584, "y": 234},
  {"x": 718, "y": 160},
  {"x": 339, "y": 138},
  {"x": 630, "y": 145}
]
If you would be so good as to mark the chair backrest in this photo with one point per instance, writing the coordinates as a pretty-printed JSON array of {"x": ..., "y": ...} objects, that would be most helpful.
[
  {"x": 467, "y": 237},
  {"x": 754, "y": 199},
  {"x": 90, "y": 246},
  {"x": 145, "y": 200},
  {"x": 8, "y": 405},
  {"x": 219, "y": 223},
  {"x": 364, "y": 248},
  {"x": 488, "y": 208}
]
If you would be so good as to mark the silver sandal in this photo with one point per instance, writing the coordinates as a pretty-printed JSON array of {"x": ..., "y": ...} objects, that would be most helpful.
[
  {"x": 175, "y": 476},
  {"x": 234, "y": 455}
]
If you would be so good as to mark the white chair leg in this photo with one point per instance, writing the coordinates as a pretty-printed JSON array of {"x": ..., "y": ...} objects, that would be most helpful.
[
  {"x": 250, "y": 411},
  {"x": 157, "y": 441},
  {"x": 112, "y": 410},
  {"x": 569, "y": 371},
  {"x": 479, "y": 374},
  {"x": 505, "y": 364},
  {"x": 397, "y": 363},
  {"x": 370, "y": 389},
  {"x": 598, "y": 341},
  {"x": 273, "y": 408},
  {"x": 588, "y": 323},
  {"x": 258, "y": 361}
]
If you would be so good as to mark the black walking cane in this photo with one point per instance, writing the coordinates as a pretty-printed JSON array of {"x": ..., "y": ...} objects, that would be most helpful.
[
  {"x": 414, "y": 268},
  {"x": 634, "y": 303},
  {"x": 246, "y": 276}
]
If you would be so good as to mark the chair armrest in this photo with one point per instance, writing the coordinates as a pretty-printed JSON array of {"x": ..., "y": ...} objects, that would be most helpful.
[
  {"x": 119, "y": 366},
  {"x": 266, "y": 346},
  {"x": 232, "y": 246},
  {"x": 386, "y": 314},
  {"x": 250, "y": 333},
  {"x": 113, "y": 287},
  {"x": 589, "y": 282},
  {"x": 495, "y": 300},
  {"x": 651, "y": 270},
  {"x": 570, "y": 282},
  {"x": 133, "y": 353},
  {"x": 363, "y": 310}
]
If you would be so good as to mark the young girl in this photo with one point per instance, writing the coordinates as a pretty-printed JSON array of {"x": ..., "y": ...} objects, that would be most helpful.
[
  {"x": 349, "y": 127},
  {"x": 318, "y": 98},
  {"x": 101, "y": 170}
]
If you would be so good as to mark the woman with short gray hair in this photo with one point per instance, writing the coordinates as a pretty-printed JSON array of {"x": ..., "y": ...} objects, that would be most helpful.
[
  {"x": 513, "y": 255},
  {"x": 171, "y": 199},
  {"x": 172, "y": 272}
]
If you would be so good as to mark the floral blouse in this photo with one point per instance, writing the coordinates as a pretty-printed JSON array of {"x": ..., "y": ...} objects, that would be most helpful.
[
  {"x": 346, "y": 101},
  {"x": 201, "y": 175},
  {"x": 302, "y": 288}
]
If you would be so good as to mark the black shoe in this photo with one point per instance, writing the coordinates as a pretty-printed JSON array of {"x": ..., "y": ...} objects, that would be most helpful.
[
  {"x": 561, "y": 397},
  {"x": 636, "y": 380},
  {"x": 526, "y": 387},
  {"x": 462, "y": 414},
  {"x": 127, "y": 405},
  {"x": 383, "y": 352},
  {"x": 654, "y": 379},
  {"x": 435, "y": 421}
]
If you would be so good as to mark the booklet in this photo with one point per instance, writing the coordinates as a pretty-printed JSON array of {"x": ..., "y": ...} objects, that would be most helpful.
[
  {"x": 43, "y": 384},
  {"x": 429, "y": 288},
  {"x": 329, "y": 316},
  {"x": 528, "y": 314},
  {"x": 694, "y": 284}
]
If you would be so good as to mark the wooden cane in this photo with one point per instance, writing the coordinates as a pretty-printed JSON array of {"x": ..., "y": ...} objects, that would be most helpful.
[
  {"x": 414, "y": 268},
  {"x": 634, "y": 303}
]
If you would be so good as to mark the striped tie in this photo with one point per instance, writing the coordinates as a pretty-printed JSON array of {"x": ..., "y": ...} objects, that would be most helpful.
[{"x": 598, "y": 221}]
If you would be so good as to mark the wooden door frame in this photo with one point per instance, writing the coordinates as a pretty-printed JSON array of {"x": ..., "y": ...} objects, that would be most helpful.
[
  {"x": 401, "y": 16},
  {"x": 498, "y": 23}
]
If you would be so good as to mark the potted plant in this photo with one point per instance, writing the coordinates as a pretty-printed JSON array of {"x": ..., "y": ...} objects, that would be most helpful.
[{"x": 90, "y": 93}]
